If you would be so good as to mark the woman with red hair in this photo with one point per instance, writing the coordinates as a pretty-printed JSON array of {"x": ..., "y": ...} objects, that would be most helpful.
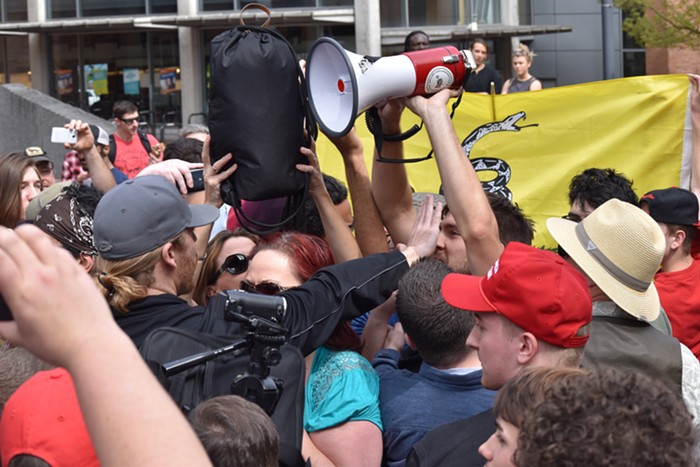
[{"x": 341, "y": 411}]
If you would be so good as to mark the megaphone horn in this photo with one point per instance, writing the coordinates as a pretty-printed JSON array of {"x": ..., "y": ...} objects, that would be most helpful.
[{"x": 342, "y": 84}]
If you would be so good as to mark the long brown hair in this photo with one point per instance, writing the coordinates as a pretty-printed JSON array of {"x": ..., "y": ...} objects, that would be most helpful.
[
  {"x": 12, "y": 167},
  {"x": 209, "y": 266}
]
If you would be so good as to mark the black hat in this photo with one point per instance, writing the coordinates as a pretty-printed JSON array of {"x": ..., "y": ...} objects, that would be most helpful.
[{"x": 672, "y": 206}]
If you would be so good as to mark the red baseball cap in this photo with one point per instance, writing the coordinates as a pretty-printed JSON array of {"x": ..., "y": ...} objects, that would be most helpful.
[
  {"x": 43, "y": 419},
  {"x": 535, "y": 289}
]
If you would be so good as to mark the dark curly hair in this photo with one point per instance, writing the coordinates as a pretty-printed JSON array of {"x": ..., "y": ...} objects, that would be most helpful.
[
  {"x": 608, "y": 418},
  {"x": 597, "y": 186}
]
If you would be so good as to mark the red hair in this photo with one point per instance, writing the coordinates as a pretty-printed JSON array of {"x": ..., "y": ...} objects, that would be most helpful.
[{"x": 307, "y": 254}]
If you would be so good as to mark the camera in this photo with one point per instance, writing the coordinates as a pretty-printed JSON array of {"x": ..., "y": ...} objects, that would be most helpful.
[
  {"x": 243, "y": 306},
  {"x": 261, "y": 318},
  {"x": 197, "y": 180}
]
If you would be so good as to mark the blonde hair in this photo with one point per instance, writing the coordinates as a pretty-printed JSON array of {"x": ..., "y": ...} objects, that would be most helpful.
[
  {"x": 123, "y": 281},
  {"x": 524, "y": 51}
]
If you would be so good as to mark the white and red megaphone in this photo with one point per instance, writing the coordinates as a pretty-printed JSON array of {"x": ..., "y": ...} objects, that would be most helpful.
[{"x": 341, "y": 84}]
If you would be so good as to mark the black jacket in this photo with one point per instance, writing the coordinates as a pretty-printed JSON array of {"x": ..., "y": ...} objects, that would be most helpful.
[{"x": 334, "y": 294}]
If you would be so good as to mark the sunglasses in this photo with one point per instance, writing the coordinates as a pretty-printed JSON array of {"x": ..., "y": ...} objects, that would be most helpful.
[
  {"x": 128, "y": 121},
  {"x": 233, "y": 264},
  {"x": 263, "y": 288}
]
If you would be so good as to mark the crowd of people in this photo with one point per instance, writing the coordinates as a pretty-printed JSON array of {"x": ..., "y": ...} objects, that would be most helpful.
[
  {"x": 485, "y": 79},
  {"x": 422, "y": 335}
]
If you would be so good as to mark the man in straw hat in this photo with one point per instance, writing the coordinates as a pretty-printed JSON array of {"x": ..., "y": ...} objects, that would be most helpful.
[
  {"x": 619, "y": 248},
  {"x": 530, "y": 309}
]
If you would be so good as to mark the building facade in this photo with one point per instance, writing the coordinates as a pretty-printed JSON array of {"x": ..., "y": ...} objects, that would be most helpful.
[{"x": 91, "y": 53}]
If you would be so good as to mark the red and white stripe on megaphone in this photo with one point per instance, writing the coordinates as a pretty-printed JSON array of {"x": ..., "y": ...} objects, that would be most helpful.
[{"x": 342, "y": 84}]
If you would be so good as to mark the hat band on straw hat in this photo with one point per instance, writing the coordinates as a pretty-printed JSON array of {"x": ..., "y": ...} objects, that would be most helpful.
[{"x": 590, "y": 246}]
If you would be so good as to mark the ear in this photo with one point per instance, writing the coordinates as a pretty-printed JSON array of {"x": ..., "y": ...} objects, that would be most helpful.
[
  {"x": 409, "y": 341},
  {"x": 168, "y": 255},
  {"x": 211, "y": 291},
  {"x": 86, "y": 261},
  {"x": 527, "y": 348},
  {"x": 678, "y": 238}
]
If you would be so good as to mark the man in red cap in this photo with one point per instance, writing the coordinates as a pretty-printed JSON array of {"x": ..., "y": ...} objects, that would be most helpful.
[{"x": 531, "y": 309}]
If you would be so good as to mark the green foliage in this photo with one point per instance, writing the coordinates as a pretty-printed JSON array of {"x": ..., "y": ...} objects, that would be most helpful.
[{"x": 662, "y": 23}]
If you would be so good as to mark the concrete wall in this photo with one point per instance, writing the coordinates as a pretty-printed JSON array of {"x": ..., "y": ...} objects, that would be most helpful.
[
  {"x": 27, "y": 118},
  {"x": 577, "y": 56}
]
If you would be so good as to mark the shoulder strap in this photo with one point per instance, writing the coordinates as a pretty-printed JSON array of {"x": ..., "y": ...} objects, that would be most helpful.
[{"x": 145, "y": 142}]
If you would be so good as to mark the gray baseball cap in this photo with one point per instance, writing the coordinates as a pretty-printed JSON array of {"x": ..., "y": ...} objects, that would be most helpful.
[{"x": 142, "y": 214}]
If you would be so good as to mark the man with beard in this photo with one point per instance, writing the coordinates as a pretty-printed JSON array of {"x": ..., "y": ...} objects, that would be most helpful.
[{"x": 477, "y": 225}]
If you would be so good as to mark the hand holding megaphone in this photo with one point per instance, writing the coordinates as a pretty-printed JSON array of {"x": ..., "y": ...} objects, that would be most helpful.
[{"x": 341, "y": 84}]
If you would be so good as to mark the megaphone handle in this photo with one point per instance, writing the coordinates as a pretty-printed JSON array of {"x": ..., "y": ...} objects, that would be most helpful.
[{"x": 374, "y": 119}]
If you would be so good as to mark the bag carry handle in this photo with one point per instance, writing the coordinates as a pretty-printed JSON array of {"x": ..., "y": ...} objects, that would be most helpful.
[{"x": 259, "y": 7}]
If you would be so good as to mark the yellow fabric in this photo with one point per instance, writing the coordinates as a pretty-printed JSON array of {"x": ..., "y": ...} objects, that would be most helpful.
[{"x": 633, "y": 125}]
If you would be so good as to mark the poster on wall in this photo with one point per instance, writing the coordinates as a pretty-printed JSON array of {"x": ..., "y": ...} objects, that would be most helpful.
[
  {"x": 96, "y": 78},
  {"x": 168, "y": 80},
  {"x": 64, "y": 81},
  {"x": 131, "y": 81}
]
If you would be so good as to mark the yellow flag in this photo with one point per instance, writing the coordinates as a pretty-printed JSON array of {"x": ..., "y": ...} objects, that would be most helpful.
[{"x": 529, "y": 145}]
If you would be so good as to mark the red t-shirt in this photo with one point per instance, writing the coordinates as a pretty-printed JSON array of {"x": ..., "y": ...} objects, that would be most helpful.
[
  {"x": 680, "y": 296},
  {"x": 131, "y": 157}
]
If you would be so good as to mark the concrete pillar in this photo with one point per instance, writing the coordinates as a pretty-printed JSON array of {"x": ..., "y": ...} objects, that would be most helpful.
[
  {"x": 191, "y": 61},
  {"x": 191, "y": 71},
  {"x": 509, "y": 13},
  {"x": 368, "y": 34},
  {"x": 38, "y": 48}
]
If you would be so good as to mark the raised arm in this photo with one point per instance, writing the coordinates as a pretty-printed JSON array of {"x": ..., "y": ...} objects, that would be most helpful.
[
  {"x": 695, "y": 119},
  {"x": 338, "y": 234},
  {"x": 463, "y": 191},
  {"x": 101, "y": 175},
  {"x": 344, "y": 291},
  {"x": 369, "y": 228},
  {"x": 390, "y": 186},
  {"x": 69, "y": 324}
]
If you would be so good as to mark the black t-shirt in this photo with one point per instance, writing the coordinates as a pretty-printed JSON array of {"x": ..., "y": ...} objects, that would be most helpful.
[{"x": 481, "y": 82}]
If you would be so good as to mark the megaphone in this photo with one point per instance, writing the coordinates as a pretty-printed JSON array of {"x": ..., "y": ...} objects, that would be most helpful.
[{"x": 342, "y": 84}]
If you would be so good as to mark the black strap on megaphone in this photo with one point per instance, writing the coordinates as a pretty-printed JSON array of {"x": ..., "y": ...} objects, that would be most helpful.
[{"x": 374, "y": 125}]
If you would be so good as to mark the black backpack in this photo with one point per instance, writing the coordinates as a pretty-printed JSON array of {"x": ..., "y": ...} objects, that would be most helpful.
[
  {"x": 113, "y": 145},
  {"x": 258, "y": 111},
  {"x": 214, "y": 377}
]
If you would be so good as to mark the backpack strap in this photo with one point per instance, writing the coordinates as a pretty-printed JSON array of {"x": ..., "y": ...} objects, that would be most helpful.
[
  {"x": 145, "y": 142},
  {"x": 113, "y": 145}
]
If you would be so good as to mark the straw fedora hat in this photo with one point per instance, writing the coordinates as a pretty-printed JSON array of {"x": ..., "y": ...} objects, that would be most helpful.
[{"x": 620, "y": 248}]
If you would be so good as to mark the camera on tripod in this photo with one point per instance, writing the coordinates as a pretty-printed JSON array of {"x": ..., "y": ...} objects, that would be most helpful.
[{"x": 260, "y": 317}]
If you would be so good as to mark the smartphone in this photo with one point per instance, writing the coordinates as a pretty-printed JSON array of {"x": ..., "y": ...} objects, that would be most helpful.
[
  {"x": 63, "y": 135},
  {"x": 5, "y": 313},
  {"x": 197, "y": 180}
]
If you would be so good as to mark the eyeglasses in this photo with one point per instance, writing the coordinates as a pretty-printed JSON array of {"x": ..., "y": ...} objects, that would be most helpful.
[
  {"x": 128, "y": 121},
  {"x": 233, "y": 264},
  {"x": 263, "y": 288}
]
